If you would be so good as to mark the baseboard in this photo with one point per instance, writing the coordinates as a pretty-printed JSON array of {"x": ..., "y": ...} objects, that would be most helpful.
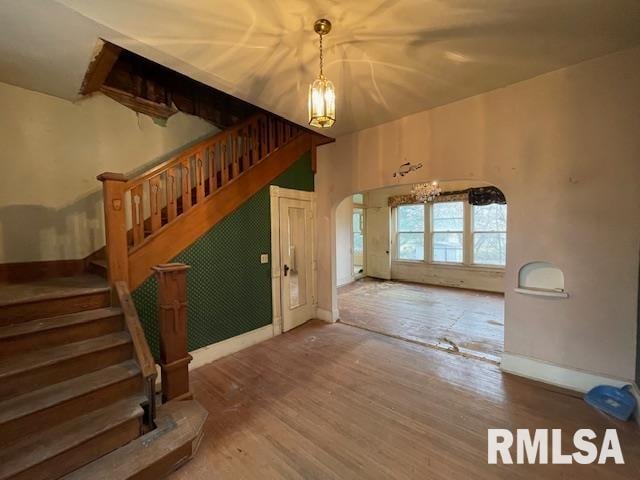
[
  {"x": 577, "y": 380},
  {"x": 213, "y": 352},
  {"x": 327, "y": 315}
]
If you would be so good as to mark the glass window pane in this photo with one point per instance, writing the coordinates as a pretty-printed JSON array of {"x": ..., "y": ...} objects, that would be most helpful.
[
  {"x": 447, "y": 247},
  {"x": 411, "y": 246},
  {"x": 358, "y": 215},
  {"x": 489, "y": 248},
  {"x": 490, "y": 218},
  {"x": 411, "y": 218},
  {"x": 358, "y": 198},
  {"x": 448, "y": 217}
]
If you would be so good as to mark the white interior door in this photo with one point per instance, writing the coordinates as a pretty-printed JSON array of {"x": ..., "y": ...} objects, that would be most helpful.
[
  {"x": 296, "y": 262},
  {"x": 378, "y": 243}
]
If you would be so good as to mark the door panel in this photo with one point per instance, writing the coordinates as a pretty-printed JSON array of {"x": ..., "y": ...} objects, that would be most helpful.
[
  {"x": 296, "y": 258},
  {"x": 378, "y": 245}
]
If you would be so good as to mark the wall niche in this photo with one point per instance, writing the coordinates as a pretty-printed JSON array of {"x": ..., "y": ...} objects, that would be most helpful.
[{"x": 542, "y": 279}]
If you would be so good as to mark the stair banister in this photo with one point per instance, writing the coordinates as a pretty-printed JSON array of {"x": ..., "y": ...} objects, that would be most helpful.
[{"x": 140, "y": 346}]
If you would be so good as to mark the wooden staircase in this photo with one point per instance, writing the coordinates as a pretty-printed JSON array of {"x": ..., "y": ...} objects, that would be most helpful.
[
  {"x": 77, "y": 382},
  {"x": 77, "y": 379}
]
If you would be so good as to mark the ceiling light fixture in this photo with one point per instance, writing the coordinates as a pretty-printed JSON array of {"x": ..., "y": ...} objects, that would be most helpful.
[
  {"x": 322, "y": 95},
  {"x": 426, "y": 192}
]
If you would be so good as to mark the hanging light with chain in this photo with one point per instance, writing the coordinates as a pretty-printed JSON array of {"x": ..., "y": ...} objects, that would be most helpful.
[{"x": 322, "y": 95}]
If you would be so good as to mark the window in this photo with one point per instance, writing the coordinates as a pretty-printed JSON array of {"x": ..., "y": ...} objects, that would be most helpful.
[
  {"x": 447, "y": 232},
  {"x": 358, "y": 241},
  {"x": 489, "y": 232},
  {"x": 410, "y": 232},
  {"x": 358, "y": 198}
]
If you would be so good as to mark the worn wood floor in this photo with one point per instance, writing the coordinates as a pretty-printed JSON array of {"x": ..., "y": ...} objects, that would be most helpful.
[
  {"x": 447, "y": 318},
  {"x": 337, "y": 402}
]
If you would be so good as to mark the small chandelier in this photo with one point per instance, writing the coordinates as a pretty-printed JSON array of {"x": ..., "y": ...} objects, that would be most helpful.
[
  {"x": 426, "y": 192},
  {"x": 322, "y": 95}
]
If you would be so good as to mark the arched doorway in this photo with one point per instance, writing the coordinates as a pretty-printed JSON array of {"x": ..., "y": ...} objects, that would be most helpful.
[{"x": 433, "y": 272}]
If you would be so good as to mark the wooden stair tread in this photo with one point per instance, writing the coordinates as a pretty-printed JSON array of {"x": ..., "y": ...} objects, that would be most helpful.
[
  {"x": 40, "y": 358},
  {"x": 37, "y": 400},
  {"x": 53, "y": 288},
  {"x": 41, "y": 446},
  {"x": 51, "y": 323},
  {"x": 155, "y": 454}
]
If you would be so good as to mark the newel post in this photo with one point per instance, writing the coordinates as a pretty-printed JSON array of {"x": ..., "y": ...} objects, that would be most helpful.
[
  {"x": 115, "y": 223},
  {"x": 172, "y": 305}
]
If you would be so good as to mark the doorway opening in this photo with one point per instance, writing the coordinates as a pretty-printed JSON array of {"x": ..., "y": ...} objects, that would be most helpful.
[
  {"x": 433, "y": 272},
  {"x": 358, "y": 242}
]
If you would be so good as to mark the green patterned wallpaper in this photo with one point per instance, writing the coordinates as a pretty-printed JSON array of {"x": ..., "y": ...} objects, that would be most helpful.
[{"x": 229, "y": 290}]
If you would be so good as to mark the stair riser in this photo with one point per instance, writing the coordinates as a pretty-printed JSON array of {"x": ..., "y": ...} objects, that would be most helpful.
[
  {"x": 36, "y": 378},
  {"x": 56, "y": 414},
  {"x": 81, "y": 455},
  {"x": 23, "y": 312},
  {"x": 60, "y": 336}
]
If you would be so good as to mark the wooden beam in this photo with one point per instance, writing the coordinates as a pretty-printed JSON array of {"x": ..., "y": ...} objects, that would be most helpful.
[{"x": 100, "y": 67}]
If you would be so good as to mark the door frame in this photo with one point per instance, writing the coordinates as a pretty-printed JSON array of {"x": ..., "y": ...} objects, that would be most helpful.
[{"x": 275, "y": 194}]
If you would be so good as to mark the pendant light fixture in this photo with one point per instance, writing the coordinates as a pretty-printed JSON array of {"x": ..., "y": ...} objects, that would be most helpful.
[{"x": 322, "y": 95}]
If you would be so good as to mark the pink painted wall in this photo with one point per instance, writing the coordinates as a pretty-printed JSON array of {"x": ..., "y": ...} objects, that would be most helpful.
[{"x": 565, "y": 149}]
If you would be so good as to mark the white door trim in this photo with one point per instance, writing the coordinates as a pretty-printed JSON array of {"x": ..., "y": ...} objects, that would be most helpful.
[{"x": 276, "y": 193}]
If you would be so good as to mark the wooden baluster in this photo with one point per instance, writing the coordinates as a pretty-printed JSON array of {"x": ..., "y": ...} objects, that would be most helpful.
[
  {"x": 113, "y": 193},
  {"x": 155, "y": 201},
  {"x": 245, "y": 149},
  {"x": 137, "y": 214},
  {"x": 235, "y": 152},
  {"x": 223, "y": 162},
  {"x": 186, "y": 184},
  {"x": 211, "y": 159},
  {"x": 172, "y": 193},
  {"x": 255, "y": 148},
  {"x": 172, "y": 316},
  {"x": 199, "y": 178},
  {"x": 272, "y": 135}
]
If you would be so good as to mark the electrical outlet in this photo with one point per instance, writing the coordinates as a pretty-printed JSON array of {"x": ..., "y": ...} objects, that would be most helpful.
[{"x": 264, "y": 258}]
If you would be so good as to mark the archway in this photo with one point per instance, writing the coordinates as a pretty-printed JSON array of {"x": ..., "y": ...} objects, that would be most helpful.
[{"x": 433, "y": 271}]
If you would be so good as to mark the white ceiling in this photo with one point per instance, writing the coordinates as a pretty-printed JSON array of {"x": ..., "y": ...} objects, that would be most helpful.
[{"x": 387, "y": 58}]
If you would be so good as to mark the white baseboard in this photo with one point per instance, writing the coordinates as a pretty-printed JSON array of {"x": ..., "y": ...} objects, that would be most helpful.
[
  {"x": 213, "y": 352},
  {"x": 327, "y": 315},
  {"x": 578, "y": 380}
]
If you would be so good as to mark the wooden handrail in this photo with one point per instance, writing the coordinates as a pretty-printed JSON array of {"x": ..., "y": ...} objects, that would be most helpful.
[
  {"x": 139, "y": 209},
  {"x": 190, "y": 151},
  {"x": 140, "y": 345},
  {"x": 156, "y": 197}
]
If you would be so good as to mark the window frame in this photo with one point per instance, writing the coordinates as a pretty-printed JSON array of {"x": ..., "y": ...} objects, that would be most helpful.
[
  {"x": 472, "y": 232},
  {"x": 462, "y": 232},
  {"x": 398, "y": 232},
  {"x": 467, "y": 241}
]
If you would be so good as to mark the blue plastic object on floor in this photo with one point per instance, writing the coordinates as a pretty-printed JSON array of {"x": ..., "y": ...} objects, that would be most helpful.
[{"x": 617, "y": 402}]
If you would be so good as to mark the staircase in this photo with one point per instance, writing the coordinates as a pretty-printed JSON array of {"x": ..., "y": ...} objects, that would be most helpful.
[
  {"x": 77, "y": 379},
  {"x": 152, "y": 217}
]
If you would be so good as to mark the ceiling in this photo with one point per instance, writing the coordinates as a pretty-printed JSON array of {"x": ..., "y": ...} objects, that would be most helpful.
[{"x": 387, "y": 58}]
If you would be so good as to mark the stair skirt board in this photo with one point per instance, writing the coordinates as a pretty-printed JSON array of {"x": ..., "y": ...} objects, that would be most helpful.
[{"x": 577, "y": 380}]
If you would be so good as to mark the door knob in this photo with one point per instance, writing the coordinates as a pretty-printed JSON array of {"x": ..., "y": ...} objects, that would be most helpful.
[{"x": 286, "y": 269}]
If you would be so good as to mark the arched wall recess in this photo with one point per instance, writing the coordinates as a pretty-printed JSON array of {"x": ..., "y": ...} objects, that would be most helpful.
[{"x": 542, "y": 279}]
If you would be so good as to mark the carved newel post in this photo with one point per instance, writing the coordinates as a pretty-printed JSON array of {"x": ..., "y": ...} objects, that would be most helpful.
[{"x": 172, "y": 315}]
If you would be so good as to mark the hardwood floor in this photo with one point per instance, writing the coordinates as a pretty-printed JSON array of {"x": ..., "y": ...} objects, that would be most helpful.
[
  {"x": 337, "y": 402},
  {"x": 448, "y": 318}
]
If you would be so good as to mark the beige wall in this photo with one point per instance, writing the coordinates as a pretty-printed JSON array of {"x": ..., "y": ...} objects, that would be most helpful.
[
  {"x": 565, "y": 149},
  {"x": 52, "y": 150}
]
